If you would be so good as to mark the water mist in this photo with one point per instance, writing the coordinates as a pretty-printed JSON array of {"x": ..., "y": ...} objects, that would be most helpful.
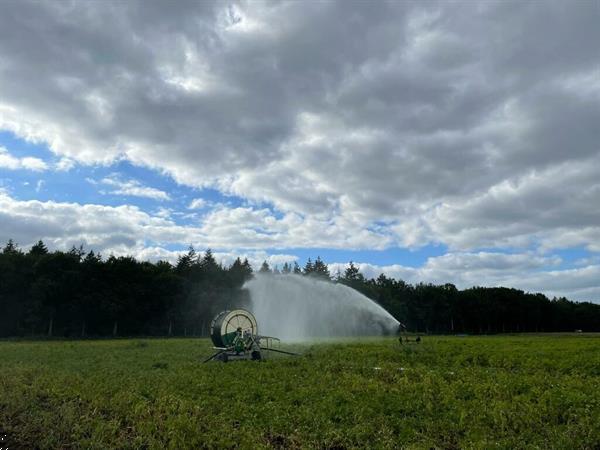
[{"x": 296, "y": 308}]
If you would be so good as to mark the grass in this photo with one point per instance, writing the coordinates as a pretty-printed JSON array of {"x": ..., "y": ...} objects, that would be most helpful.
[{"x": 447, "y": 392}]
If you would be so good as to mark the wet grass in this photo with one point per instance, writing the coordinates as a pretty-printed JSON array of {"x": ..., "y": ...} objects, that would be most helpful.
[{"x": 447, "y": 392}]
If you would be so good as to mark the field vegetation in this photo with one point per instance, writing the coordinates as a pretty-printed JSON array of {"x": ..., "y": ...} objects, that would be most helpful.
[{"x": 446, "y": 392}]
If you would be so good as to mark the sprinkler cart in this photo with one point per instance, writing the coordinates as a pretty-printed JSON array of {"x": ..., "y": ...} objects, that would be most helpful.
[{"x": 235, "y": 336}]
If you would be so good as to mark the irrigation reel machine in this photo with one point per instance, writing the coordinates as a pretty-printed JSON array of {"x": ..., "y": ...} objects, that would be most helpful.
[{"x": 235, "y": 336}]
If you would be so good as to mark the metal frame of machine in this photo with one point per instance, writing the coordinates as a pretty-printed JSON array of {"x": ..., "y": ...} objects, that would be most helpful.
[{"x": 235, "y": 336}]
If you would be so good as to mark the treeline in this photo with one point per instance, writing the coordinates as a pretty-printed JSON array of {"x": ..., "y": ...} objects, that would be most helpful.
[
  {"x": 80, "y": 294},
  {"x": 445, "y": 309}
]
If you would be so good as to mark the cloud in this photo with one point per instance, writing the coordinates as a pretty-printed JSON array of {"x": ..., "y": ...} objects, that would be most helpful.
[
  {"x": 339, "y": 125},
  {"x": 7, "y": 161},
  {"x": 552, "y": 208},
  {"x": 532, "y": 273},
  {"x": 154, "y": 253},
  {"x": 197, "y": 203},
  {"x": 256, "y": 258},
  {"x": 396, "y": 114},
  {"x": 462, "y": 268},
  {"x": 116, "y": 228},
  {"x": 247, "y": 227},
  {"x": 103, "y": 228},
  {"x": 165, "y": 213},
  {"x": 64, "y": 164},
  {"x": 131, "y": 188}
]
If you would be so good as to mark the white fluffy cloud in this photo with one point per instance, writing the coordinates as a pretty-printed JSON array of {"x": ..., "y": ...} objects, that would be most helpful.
[
  {"x": 532, "y": 273},
  {"x": 131, "y": 188},
  {"x": 8, "y": 161},
  {"x": 117, "y": 228},
  {"x": 256, "y": 258},
  {"x": 247, "y": 227},
  {"x": 99, "y": 227},
  {"x": 197, "y": 203}
]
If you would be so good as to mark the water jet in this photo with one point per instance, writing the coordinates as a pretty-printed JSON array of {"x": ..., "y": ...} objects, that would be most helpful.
[{"x": 298, "y": 308}]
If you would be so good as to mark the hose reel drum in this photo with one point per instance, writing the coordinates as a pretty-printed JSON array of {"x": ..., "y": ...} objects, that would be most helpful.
[
  {"x": 234, "y": 335},
  {"x": 224, "y": 327}
]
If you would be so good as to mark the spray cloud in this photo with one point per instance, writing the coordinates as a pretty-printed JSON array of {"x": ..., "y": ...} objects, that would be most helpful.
[{"x": 296, "y": 308}]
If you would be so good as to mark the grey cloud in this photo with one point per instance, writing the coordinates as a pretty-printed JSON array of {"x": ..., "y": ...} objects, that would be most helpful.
[
  {"x": 557, "y": 207},
  {"x": 412, "y": 114}
]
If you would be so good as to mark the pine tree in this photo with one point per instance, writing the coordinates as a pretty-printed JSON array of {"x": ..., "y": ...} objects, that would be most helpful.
[
  {"x": 192, "y": 253},
  {"x": 320, "y": 269},
  {"x": 297, "y": 270},
  {"x": 208, "y": 262},
  {"x": 247, "y": 268},
  {"x": 308, "y": 267},
  {"x": 184, "y": 262},
  {"x": 237, "y": 265},
  {"x": 286, "y": 268},
  {"x": 92, "y": 257},
  {"x": 240, "y": 271},
  {"x": 352, "y": 273},
  {"x": 38, "y": 249},
  {"x": 11, "y": 248},
  {"x": 77, "y": 252},
  {"x": 264, "y": 268}
]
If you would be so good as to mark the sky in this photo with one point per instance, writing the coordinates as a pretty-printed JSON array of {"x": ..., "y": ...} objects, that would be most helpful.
[{"x": 443, "y": 142}]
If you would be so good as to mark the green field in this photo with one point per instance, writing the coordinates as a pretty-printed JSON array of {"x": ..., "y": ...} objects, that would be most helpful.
[{"x": 447, "y": 392}]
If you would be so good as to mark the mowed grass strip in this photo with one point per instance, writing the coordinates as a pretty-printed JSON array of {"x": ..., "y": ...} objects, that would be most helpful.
[{"x": 447, "y": 392}]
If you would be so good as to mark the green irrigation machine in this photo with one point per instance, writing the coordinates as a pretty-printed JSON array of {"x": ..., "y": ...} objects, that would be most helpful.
[{"x": 235, "y": 337}]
